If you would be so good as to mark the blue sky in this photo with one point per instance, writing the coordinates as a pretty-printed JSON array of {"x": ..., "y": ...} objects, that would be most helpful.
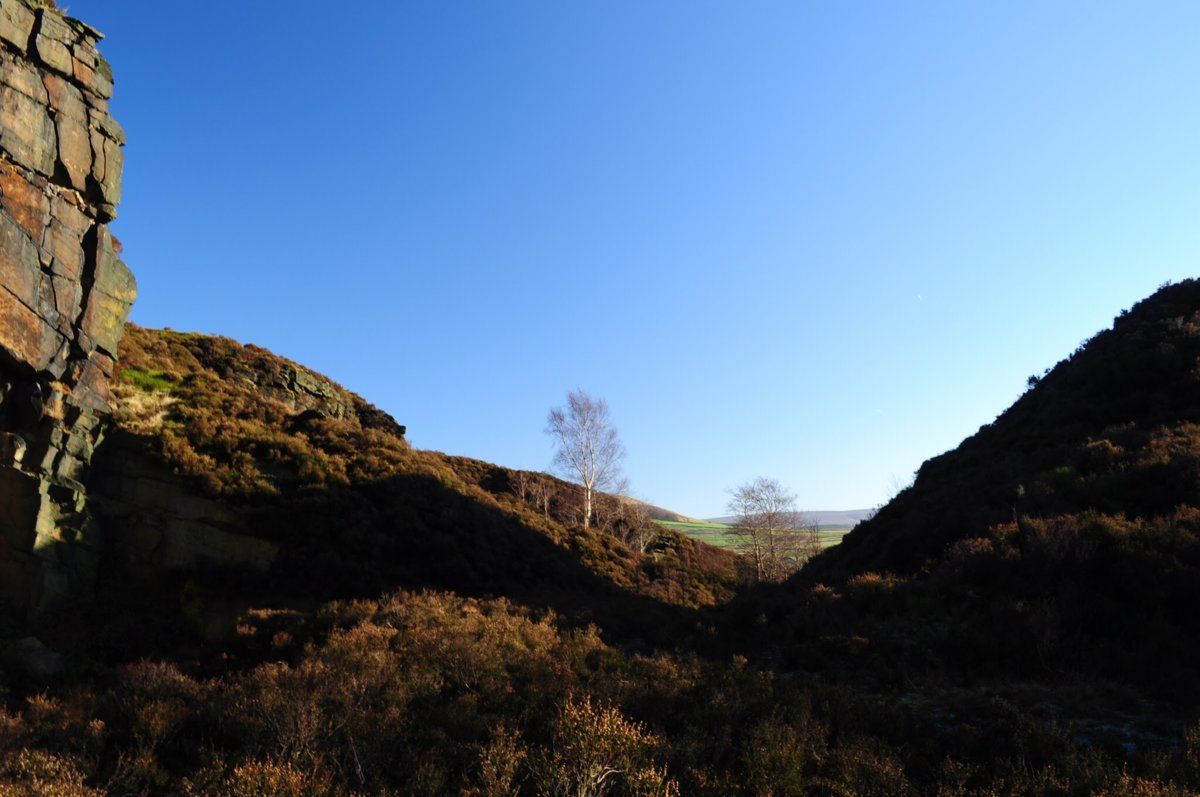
[{"x": 819, "y": 242}]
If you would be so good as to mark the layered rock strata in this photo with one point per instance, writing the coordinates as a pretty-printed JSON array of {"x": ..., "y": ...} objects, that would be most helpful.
[{"x": 64, "y": 296}]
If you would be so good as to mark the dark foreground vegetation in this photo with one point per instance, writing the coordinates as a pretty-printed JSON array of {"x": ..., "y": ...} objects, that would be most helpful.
[{"x": 1021, "y": 621}]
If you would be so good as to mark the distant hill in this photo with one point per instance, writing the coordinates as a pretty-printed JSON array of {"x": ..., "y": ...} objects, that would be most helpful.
[
  {"x": 831, "y": 519},
  {"x": 658, "y": 513}
]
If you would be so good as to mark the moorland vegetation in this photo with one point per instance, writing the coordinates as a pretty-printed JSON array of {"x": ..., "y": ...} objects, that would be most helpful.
[{"x": 1019, "y": 621}]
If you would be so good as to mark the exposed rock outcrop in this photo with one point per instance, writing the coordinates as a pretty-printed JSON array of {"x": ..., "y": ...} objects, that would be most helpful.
[
  {"x": 64, "y": 295},
  {"x": 157, "y": 526},
  {"x": 163, "y": 518}
]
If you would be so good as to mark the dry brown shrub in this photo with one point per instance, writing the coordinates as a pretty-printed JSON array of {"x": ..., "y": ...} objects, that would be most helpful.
[
  {"x": 598, "y": 751},
  {"x": 259, "y": 779},
  {"x": 501, "y": 762},
  {"x": 33, "y": 773},
  {"x": 154, "y": 701}
]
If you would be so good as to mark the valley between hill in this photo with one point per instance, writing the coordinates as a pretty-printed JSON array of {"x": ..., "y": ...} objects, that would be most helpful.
[
  {"x": 297, "y": 602},
  {"x": 222, "y": 574}
]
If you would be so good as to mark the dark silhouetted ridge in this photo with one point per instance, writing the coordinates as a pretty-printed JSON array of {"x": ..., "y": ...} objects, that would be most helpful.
[
  {"x": 1060, "y": 543},
  {"x": 1110, "y": 429}
]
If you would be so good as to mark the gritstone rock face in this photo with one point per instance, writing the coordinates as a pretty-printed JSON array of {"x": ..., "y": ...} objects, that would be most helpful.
[{"x": 64, "y": 296}]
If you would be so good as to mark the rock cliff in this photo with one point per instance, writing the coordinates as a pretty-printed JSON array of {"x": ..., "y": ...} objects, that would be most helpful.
[{"x": 64, "y": 296}]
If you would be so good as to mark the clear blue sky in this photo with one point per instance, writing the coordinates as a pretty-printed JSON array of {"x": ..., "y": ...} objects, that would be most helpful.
[{"x": 820, "y": 242}]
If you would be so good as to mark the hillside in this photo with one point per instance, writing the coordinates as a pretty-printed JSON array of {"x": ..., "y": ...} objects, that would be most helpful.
[
  {"x": 1110, "y": 429},
  {"x": 1061, "y": 542},
  {"x": 272, "y": 453},
  {"x": 224, "y": 575},
  {"x": 295, "y": 602},
  {"x": 658, "y": 513},
  {"x": 269, "y": 528}
]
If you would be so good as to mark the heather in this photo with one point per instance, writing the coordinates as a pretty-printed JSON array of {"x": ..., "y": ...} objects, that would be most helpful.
[
  {"x": 431, "y": 693},
  {"x": 1020, "y": 620}
]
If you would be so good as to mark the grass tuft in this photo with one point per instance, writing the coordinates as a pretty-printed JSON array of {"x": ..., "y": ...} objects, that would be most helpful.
[{"x": 148, "y": 381}]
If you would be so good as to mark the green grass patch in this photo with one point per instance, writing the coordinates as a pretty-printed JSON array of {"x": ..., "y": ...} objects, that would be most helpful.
[
  {"x": 722, "y": 536},
  {"x": 717, "y": 534},
  {"x": 148, "y": 381},
  {"x": 680, "y": 525}
]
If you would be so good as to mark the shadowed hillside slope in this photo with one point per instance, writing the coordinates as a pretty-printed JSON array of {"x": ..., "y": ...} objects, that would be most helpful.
[
  {"x": 1061, "y": 542},
  {"x": 1110, "y": 429},
  {"x": 255, "y": 446}
]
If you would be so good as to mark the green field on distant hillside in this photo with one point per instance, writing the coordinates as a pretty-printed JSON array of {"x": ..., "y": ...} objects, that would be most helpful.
[{"x": 721, "y": 535}]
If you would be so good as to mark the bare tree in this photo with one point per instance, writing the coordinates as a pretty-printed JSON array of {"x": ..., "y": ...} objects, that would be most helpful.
[
  {"x": 589, "y": 450},
  {"x": 774, "y": 535},
  {"x": 520, "y": 482},
  {"x": 543, "y": 492},
  {"x": 628, "y": 520},
  {"x": 810, "y": 537}
]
